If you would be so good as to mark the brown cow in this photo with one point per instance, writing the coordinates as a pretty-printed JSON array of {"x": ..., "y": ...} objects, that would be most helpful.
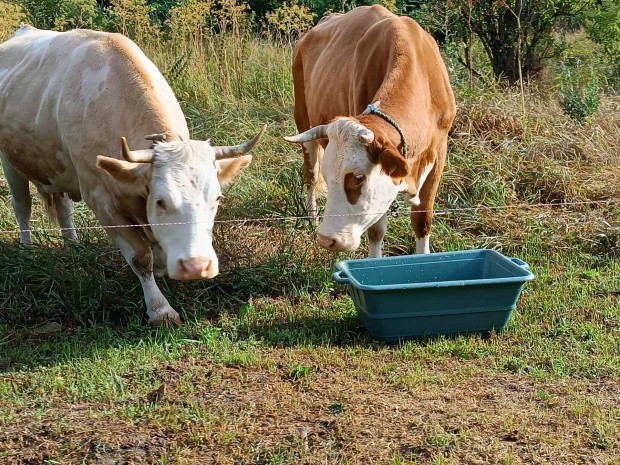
[{"x": 372, "y": 152}]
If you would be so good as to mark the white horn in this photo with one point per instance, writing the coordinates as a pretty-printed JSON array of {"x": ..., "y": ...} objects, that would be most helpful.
[
  {"x": 374, "y": 104},
  {"x": 317, "y": 132},
  {"x": 365, "y": 135},
  {"x": 157, "y": 137},
  {"x": 227, "y": 151},
  {"x": 136, "y": 156},
  {"x": 164, "y": 136}
]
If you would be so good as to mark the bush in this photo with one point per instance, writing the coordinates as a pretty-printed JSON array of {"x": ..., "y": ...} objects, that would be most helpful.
[
  {"x": 10, "y": 18},
  {"x": 579, "y": 89},
  {"x": 290, "y": 21},
  {"x": 188, "y": 21},
  {"x": 132, "y": 18},
  {"x": 76, "y": 14},
  {"x": 580, "y": 105}
]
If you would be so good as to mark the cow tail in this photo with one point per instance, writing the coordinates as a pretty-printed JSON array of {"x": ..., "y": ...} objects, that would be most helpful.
[
  {"x": 321, "y": 185},
  {"x": 49, "y": 205}
]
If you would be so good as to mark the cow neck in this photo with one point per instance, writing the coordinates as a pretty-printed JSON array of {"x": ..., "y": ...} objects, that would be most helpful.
[
  {"x": 134, "y": 210},
  {"x": 375, "y": 122},
  {"x": 390, "y": 132},
  {"x": 146, "y": 230},
  {"x": 402, "y": 143}
]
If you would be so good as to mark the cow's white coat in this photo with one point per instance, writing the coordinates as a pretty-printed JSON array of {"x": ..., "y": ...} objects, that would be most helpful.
[{"x": 67, "y": 98}]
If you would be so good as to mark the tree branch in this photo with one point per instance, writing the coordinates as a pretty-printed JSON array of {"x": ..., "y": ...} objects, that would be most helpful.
[{"x": 471, "y": 69}]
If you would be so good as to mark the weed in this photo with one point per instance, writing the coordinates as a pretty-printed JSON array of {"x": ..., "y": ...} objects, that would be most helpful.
[{"x": 300, "y": 372}]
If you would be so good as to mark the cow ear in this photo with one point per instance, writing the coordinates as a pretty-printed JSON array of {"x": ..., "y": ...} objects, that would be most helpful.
[
  {"x": 393, "y": 164},
  {"x": 383, "y": 152},
  {"x": 137, "y": 175},
  {"x": 227, "y": 168}
]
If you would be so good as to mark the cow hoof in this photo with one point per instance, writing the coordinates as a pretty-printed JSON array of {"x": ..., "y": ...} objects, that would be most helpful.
[{"x": 165, "y": 317}]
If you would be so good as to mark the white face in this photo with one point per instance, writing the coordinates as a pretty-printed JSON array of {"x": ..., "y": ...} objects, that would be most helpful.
[
  {"x": 358, "y": 192},
  {"x": 185, "y": 188},
  {"x": 186, "y": 193},
  {"x": 183, "y": 185}
]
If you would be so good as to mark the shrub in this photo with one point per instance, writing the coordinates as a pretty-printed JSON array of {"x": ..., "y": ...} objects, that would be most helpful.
[
  {"x": 233, "y": 17},
  {"x": 131, "y": 18},
  {"x": 580, "y": 105},
  {"x": 579, "y": 89},
  {"x": 75, "y": 14},
  {"x": 290, "y": 21},
  {"x": 188, "y": 21},
  {"x": 9, "y": 20}
]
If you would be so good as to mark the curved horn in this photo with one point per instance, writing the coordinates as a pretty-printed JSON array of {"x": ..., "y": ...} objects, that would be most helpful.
[
  {"x": 365, "y": 135},
  {"x": 317, "y": 132},
  {"x": 227, "y": 151},
  {"x": 136, "y": 156}
]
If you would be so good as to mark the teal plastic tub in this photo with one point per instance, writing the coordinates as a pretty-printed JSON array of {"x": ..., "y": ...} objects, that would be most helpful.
[{"x": 414, "y": 296}]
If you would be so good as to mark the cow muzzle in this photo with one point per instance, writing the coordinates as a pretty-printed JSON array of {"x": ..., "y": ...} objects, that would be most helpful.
[
  {"x": 337, "y": 243},
  {"x": 196, "y": 268}
]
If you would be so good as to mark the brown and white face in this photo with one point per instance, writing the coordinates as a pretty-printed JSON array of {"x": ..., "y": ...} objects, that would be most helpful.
[
  {"x": 182, "y": 182},
  {"x": 363, "y": 173}
]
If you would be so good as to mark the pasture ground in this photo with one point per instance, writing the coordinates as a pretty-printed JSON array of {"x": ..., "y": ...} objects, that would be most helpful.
[{"x": 272, "y": 366}]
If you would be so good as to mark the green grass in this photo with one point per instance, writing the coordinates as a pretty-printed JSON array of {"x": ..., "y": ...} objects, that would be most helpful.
[{"x": 273, "y": 345}]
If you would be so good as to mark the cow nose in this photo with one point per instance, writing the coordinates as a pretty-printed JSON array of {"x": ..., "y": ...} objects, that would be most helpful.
[
  {"x": 326, "y": 242},
  {"x": 196, "y": 268}
]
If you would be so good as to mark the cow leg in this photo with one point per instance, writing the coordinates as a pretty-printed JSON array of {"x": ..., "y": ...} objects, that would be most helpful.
[
  {"x": 376, "y": 233},
  {"x": 139, "y": 256},
  {"x": 311, "y": 168},
  {"x": 21, "y": 199},
  {"x": 422, "y": 214},
  {"x": 63, "y": 207}
]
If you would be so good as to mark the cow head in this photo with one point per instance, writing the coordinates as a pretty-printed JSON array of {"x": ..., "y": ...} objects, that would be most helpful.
[
  {"x": 182, "y": 182},
  {"x": 363, "y": 171}
]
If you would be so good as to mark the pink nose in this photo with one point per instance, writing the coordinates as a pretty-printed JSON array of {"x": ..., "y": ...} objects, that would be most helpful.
[
  {"x": 196, "y": 268},
  {"x": 329, "y": 243}
]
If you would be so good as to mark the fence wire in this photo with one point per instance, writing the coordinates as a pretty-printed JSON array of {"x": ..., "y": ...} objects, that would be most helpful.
[{"x": 391, "y": 212}]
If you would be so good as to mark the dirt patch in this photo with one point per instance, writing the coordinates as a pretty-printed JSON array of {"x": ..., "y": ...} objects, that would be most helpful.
[{"x": 340, "y": 413}]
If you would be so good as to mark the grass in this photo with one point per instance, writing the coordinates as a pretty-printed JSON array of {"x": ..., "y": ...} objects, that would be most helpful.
[{"x": 272, "y": 365}]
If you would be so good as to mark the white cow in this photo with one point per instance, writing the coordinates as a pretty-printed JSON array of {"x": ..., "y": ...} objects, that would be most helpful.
[{"x": 65, "y": 101}]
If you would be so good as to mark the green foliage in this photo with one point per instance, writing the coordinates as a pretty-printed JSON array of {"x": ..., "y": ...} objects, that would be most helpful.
[
  {"x": 603, "y": 24},
  {"x": 132, "y": 18},
  {"x": 188, "y": 21},
  {"x": 579, "y": 89},
  {"x": 41, "y": 13},
  {"x": 233, "y": 16},
  {"x": 160, "y": 9},
  {"x": 49, "y": 14},
  {"x": 76, "y": 14},
  {"x": 603, "y": 27},
  {"x": 517, "y": 35},
  {"x": 13, "y": 14},
  {"x": 581, "y": 104},
  {"x": 178, "y": 68},
  {"x": 290, "y": 21}
]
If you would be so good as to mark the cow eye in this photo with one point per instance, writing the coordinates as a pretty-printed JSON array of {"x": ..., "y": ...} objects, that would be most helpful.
[
  {"x": 359, "y": 178},
  {"x": 161, "y": 204},
  {"x": 219, "y": 197}
]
